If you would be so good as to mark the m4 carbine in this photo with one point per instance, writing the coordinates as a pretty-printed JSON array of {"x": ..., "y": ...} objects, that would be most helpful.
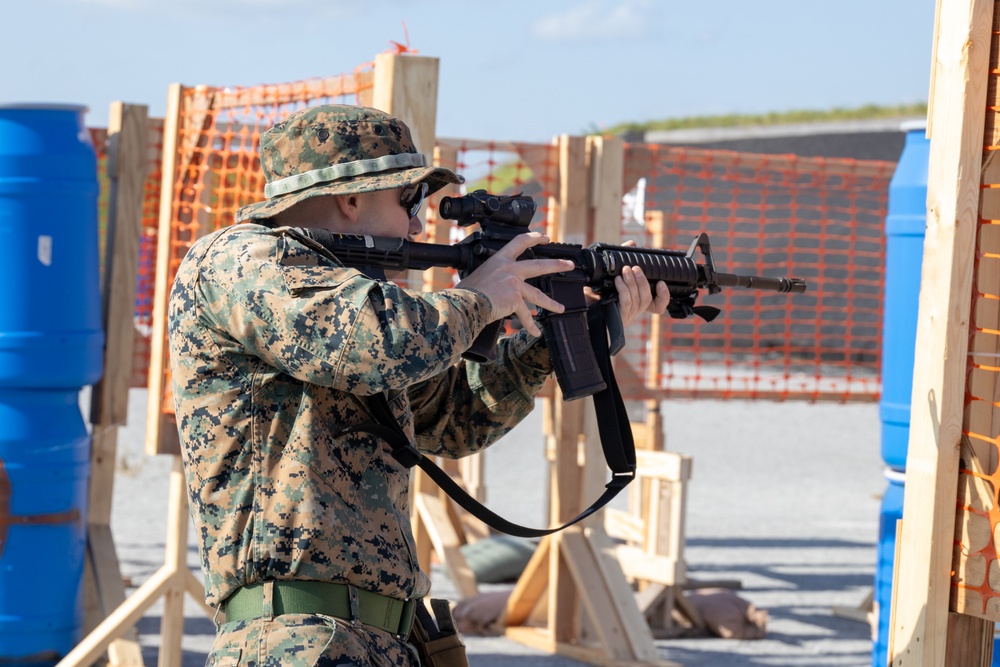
[
  {"x": 500, "y": 219},
  {"x": 578, "y": 338}
]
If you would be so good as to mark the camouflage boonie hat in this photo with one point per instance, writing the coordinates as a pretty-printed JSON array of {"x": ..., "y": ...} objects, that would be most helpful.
[{"x": 336, "y": 150}]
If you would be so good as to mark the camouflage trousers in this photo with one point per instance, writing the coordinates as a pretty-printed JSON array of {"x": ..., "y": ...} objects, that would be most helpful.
[{"x": 304, "y": 640}]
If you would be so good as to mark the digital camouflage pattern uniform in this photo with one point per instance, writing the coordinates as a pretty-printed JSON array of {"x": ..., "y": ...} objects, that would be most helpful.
[{"x": 273, "y": 346}]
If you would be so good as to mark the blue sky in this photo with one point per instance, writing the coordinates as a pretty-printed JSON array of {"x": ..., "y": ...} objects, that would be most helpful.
[{"x": 511, "y": 70}]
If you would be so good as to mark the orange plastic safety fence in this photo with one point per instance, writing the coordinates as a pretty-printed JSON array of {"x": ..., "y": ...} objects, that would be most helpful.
[
  {"x": 817, "y": 219},
  {"x": 975, "y": 588},
  {"x": 146, "y": 273},
  {"x": 217, "y": 168},
  {"x": 146, "y": 269}
]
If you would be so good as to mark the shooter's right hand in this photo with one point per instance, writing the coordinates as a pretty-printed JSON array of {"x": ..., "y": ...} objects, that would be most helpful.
[{"x": 503, "y": 280}]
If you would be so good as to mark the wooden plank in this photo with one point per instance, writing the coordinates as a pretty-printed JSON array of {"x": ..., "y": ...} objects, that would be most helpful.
[
  {"x": 594, "y": 467},
  {"x": 563, "y": 615},
  {"x": 657, "y": 228},
  {"x": 155, "y": 424},
  {"x": 127, "y": 131},
  {"x": 624, "y": 526},
  {"x": 920, "y": 607},
  {"x": 574, "y": 196},
  {"x": 567, "y": 485},
  {"x": 196, "y": 589},
  {"x": 668, "y": 466},
  {"x": 406, "y": 86},
  {"x": 435, "y": 518},
  {"x": 597, "y": 600},
  {"x": 103, "y": 455},
  {"x": 172, "y": 623},
  {"x": 637, "y": 564},
  {"x": 439, "y": 229},
  {"x": 530, "y": 585},
  {"x": 90, "y": 649},
  {"x": 125, "y": 649},
  {"x": 623, "y": 604},
  {"x": 607, "y": 163}
]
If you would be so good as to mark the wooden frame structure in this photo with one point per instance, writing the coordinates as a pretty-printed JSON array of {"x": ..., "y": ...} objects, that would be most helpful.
[
  {"x": 104, "y": 590},
  {"x": 574, "y": 581},
  {"x": 924, "y": 629}
]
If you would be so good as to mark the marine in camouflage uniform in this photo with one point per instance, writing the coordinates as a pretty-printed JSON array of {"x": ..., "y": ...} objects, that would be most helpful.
[{"x": 273, "y": 347}]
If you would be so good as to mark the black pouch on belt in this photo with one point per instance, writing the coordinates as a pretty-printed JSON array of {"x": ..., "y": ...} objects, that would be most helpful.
[{"x": 435, "y": 637}]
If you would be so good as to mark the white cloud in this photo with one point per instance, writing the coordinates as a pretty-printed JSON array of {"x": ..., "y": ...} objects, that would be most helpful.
[{"x": 596, "y": 19}]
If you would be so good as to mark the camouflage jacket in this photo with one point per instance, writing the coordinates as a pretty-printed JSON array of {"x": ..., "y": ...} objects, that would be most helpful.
[{"x": 272, "y": 346}]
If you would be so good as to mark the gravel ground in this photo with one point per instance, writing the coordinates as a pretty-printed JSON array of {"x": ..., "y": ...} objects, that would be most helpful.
[{"x": 785, "y": 499}]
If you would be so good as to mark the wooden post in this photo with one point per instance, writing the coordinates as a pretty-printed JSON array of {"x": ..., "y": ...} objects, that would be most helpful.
[
  {"x": 109, "y": 403},
  {"x": 654, "y": 359},
  {"x": 173, "y": 579},
  {"x": 159, "y": 430},
  {"x": 591, "y": 612},
  {"x": 922, "y": 627},
  {"x": 406, "y": 87}
]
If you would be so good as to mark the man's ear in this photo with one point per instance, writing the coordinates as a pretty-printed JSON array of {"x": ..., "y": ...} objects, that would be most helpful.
[{"x": 348, "y": 205}]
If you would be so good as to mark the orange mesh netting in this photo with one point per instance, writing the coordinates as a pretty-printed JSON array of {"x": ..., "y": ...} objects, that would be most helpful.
[
  {"x": 976, "y": 576},
  {"x": 146, "y": 270},
  {"x": 217, "y": 167},
  {"x": 817, "y": 219},
  {"x": 146, "y": 274}
]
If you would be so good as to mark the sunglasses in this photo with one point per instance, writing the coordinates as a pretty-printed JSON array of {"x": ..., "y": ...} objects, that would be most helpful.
[{"x": 412, "y": 197}]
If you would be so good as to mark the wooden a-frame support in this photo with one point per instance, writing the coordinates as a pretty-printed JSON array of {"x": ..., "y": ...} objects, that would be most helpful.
[
  {"x": 127, "y": 158},
  {"x": 115, "y": 634},
  {"x": 406, "y": 86},
  {"x": 589, "y": 610}
]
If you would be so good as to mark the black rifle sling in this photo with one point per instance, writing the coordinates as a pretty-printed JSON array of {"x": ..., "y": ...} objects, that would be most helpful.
[{"x": 613, "y": 426}]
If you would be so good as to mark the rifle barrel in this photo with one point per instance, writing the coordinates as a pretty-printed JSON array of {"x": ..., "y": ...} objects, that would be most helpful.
[{"x": 780, "y": 284}]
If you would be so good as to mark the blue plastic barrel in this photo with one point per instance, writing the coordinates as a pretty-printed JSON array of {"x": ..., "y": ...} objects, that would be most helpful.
[
  {"x": 44, "y": 466},
  {"x": 891, "y": 512},
  {"x": 51, "y": 346},
  {"x": 50, "y": 312},
  {"x": 905, "y": 224}
]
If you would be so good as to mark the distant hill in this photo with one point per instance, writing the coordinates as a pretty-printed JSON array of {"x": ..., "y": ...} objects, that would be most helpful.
[{"x": 868, "y": 112}]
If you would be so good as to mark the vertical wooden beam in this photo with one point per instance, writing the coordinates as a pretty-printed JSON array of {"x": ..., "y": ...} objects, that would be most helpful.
[
  {"x": 960, "y": 74},
  {"x": 127, "y": 151},
  {"x": 654, "y": 358},
  {"x": 109, "y": 405},
  {"x": 606, "y": 156},
  {"x": 155, "y": 422},
  {"x": 566, "y": 485},
  {"x": 605, "y": 164},
  {"x": 407, "y": 87}
]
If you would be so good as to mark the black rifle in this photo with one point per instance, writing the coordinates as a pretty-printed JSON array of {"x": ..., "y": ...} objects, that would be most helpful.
[
  {"x": 578, "y": 338},
  {"x": 500, "y": 219}
]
